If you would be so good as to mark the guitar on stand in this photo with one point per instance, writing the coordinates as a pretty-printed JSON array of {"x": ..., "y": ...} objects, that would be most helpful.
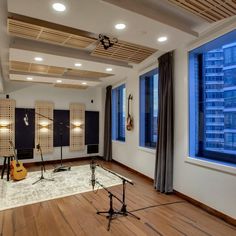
[
  {"x": 18, "y": 171},
  {"x": 129, "y": 125}
]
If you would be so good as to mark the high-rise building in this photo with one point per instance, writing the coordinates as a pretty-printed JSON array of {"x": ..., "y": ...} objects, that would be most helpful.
[{"x": 219, "y": 76}]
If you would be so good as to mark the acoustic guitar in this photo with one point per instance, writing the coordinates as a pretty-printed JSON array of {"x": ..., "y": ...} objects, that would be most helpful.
[
  {"x": 18, "y": 171},
  {"x": 129, "y": 125}
]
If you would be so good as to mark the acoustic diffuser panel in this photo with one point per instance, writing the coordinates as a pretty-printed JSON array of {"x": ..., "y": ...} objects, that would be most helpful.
[
  {"x": 30, "y": 28},
  {"x": 77, "y": 124},
  {"x": 211, "y": 10},
  {"x": 124, "y": 51},
  {"x": 7, "y": 126},
  {"x": 44, "y": 125}
]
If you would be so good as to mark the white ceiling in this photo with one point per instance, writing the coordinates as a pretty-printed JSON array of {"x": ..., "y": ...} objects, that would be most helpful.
[{"x": 146, "y": 20}]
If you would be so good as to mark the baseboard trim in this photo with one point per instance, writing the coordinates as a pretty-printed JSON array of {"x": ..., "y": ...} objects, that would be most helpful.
[
  {"x": 206, "y": 208},
  {"x": 58, "y": 161},
  {"x": 132, "y": 170}
]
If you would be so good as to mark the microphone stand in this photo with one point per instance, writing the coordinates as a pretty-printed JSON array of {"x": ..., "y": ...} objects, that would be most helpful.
[
  {"x": 42, "y": 168},
  {"x": 61, "y": 167},
  {"x": 111, "y": 212},
  {"x": 123, "y": 211}
]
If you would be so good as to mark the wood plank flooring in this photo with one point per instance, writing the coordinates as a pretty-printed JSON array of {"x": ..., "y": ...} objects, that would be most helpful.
[{"x": 161, "y": 215}]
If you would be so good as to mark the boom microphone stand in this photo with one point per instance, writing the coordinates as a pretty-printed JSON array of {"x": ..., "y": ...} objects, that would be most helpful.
[
  {"x": 111, "y": 212},
  {"x": 61, "y": 167},
  {"x": 42, "y": 168},
  {"x": 123, "y": 211}
]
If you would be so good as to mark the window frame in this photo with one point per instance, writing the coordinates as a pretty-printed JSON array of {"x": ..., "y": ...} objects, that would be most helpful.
[
  {"x": 145, "y": 131},
  {"x": 117, "y": 107},
  {"x": 213, "y": 156}
]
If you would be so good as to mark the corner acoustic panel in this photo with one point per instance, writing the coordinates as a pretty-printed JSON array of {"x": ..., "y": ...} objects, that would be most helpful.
[
  {"x": 77, "y": 126},
  {"x": 7, "y": 126},
  {"x": 44, "y": 125}
]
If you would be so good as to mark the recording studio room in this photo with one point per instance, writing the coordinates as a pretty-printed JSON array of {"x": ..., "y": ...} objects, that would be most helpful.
[{"x": 117, "y": 117}]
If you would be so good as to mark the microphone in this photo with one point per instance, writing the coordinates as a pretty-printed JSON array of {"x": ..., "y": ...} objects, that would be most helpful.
[
  {"x": 93, "y": 168},
  {"x": 26, "y": 119}
]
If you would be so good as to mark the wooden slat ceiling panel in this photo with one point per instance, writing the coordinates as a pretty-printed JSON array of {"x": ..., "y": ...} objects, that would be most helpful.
[
  {"x": 124, "y": 51},
  {"x": 70, "y": 86},
  {"x": 211, "y": 10},
  {"x": 86, "y": 74},
  {"x": 54, "y": 70},
  {"x": 37, "y": 32}
]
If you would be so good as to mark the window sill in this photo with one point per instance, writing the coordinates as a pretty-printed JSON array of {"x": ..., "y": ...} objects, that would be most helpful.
[
  {"x": 118, "y": 141},
  {"x": 145, "y": 149},
  {"x": 222, "y": 167}
]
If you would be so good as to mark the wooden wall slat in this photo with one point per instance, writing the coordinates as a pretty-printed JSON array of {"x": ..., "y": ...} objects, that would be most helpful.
[
  {"x": 44, "y": 126},
  {"x": 77, "y": 118},
  {"x": 7, "y": 126}
]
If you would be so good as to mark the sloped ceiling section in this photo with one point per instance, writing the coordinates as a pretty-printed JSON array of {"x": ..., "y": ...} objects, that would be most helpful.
[
  {"x": 38, "y": 30},
  {"x": 54, "y": 70},
  {"x": 210, "y": 10}
]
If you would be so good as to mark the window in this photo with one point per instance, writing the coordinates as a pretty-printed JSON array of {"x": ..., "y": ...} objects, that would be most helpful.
[
  {"x": 212, "y": 100},
  {"x": 148, "y": 109},
  {"x": 118, "y": 113}
]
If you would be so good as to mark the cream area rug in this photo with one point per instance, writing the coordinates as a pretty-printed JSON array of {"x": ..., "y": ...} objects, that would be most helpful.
[{"x": 66, "y": 183}]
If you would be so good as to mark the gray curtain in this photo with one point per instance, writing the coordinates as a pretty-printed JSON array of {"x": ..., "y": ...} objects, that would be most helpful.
[
  {"x": 163, "y": 179},
  {"x": 107, "y": 126}
]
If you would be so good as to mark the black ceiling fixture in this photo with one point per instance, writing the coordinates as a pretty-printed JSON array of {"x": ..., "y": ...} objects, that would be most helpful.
[{"x": 106, "y": 41}]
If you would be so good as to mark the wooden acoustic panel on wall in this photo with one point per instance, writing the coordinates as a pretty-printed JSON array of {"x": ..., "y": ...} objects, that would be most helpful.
[
  {"x": 7, "y": 126},
  {"x": 77, "y": 126},
  {"x": 44, "y": 125},
  {"x": 30, "y": 28},
  {"x": 124, "y": 51},
  {"x": 211, "y": 10}
]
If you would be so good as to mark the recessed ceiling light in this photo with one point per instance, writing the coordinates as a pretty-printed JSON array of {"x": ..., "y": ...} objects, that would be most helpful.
[
  {"x": 78, "y": 64},
  {"x": 58, "y": 7},
  {"x": 120, "y": 26},
  {"x": 29, "y": 78},
  {"x": 162, "y": 39},
  {"x": 84, "y": 83},
  {"x": 38, "y": 59},
  {"x": 59, "y": 81},
  {"x": 108, "y": 69}
]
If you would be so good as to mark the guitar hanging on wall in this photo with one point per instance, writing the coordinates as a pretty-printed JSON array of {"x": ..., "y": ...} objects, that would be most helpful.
[{"x": 129, "y": 125}]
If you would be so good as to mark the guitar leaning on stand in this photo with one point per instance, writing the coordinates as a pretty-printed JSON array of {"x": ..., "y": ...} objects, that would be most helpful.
[
  {"x": 129, "y": 125},
  {"x": 18, "y": 171}
]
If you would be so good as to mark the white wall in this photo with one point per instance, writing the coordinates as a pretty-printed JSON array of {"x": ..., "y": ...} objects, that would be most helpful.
[
  {"x": 211, "y": 184},
  {"x": 26, "y": 97},
  {"x": 129, "y": 153},
  {"x": 215, "y": 188}
]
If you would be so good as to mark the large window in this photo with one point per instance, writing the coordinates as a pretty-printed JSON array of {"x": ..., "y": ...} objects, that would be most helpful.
[
  {"x": 148, "y": 109},
  {"x": 212, "y": 94},
  {"x": 118, "y": 113}
]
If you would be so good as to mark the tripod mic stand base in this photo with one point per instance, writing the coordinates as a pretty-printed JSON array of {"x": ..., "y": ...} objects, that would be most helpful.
[
  {"x": 62, "y": 168},
  {"x": 123, "y": 211},
  {"x": 41, "y": 179}
]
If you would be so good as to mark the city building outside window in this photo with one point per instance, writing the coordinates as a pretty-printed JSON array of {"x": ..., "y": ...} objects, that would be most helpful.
[
  {"x": 118, "y": 113},
  {"x": 212, "y": 99},
  {"x": 148, "y": 109}
]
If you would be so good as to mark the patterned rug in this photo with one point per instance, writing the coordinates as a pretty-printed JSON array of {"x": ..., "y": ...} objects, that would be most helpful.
[{"x": 66, "y": 183}]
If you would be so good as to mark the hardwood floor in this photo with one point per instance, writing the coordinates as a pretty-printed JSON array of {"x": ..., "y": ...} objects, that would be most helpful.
[{"x": 76, "y": 215}]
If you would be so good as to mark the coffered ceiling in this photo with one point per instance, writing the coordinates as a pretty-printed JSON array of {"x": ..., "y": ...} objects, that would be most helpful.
[{"x": 66, "y": 39}]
